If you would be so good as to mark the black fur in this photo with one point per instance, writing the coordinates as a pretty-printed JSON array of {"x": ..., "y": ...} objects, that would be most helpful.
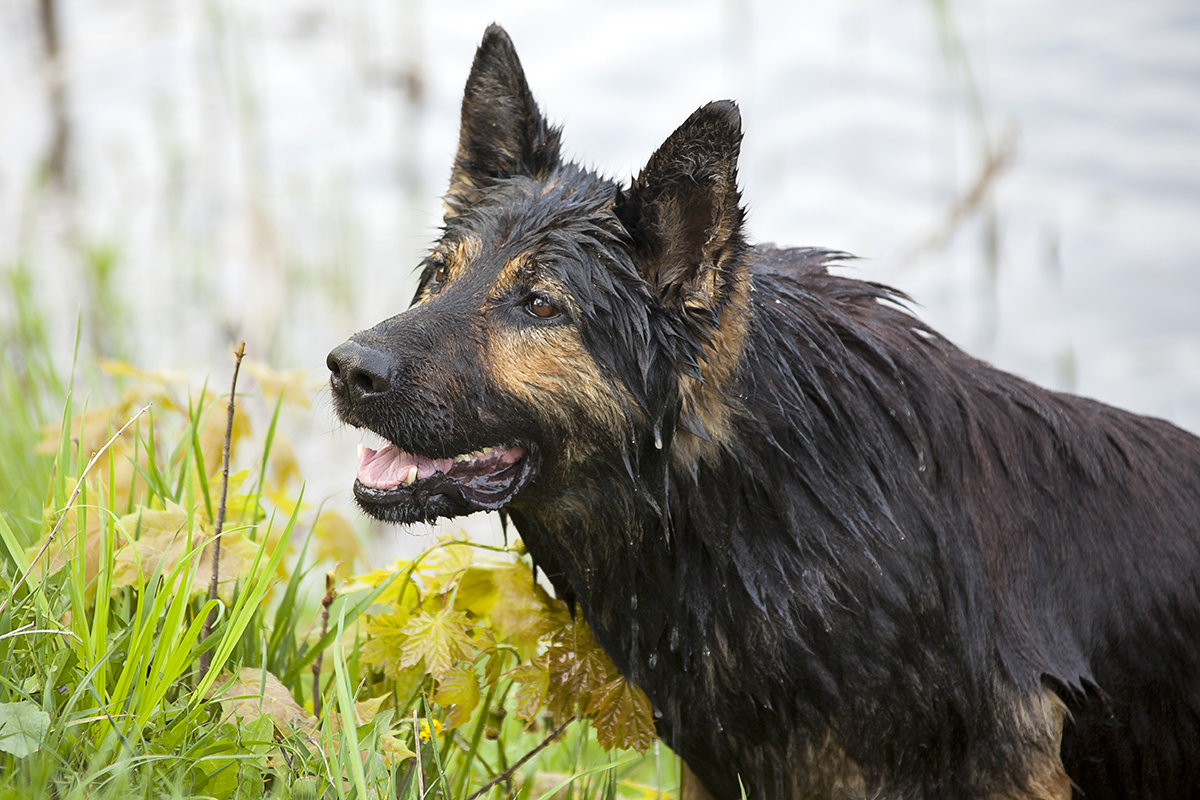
[{"x": 842, "y": 557}]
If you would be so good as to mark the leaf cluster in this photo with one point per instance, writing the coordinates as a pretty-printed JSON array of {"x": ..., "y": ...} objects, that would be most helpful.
[{"x": 464, "y": 620}]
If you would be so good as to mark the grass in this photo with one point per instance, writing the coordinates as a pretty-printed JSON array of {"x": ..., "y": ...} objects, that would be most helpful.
[{"x": 446, "y": 676}]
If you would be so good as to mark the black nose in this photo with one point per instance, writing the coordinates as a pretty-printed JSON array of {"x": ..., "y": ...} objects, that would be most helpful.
[{"x": 358, "y": 371}]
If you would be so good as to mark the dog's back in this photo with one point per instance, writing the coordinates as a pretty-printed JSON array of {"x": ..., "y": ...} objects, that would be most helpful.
[{"x": 1067, "y": 531}]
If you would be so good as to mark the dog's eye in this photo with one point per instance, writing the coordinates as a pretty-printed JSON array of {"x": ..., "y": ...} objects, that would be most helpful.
[
  {"x": 541, "y": 307},
  {"x": 439, "y": 273}
]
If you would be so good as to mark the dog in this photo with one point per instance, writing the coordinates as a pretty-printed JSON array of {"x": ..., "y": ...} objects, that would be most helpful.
[{"x": 843, "y": 558}]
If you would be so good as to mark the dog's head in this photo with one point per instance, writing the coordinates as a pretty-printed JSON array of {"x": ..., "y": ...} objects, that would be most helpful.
[{"x": 563, "y": 325}]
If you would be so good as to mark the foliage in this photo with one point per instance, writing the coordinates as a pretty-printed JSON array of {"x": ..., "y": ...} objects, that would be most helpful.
[
  {"x": 438, "y": 676},
  {"x": 464, "y": 622}
]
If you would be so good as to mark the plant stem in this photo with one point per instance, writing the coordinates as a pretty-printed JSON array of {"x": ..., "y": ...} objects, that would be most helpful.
[
  {"x": 520, "y": 762},
  {"x": 219, "y": 523},
  {"x": 316, "y": 667}
]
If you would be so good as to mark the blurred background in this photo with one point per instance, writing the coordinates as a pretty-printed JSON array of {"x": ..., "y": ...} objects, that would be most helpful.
[{"x": 179, "y": 176}]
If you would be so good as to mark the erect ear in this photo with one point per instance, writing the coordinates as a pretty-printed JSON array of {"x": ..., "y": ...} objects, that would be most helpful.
[
  {"x": 502, "y": 132},
  {"x": 683, "y": 210}
]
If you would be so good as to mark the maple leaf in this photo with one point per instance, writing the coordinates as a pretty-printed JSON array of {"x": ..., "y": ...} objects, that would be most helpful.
[
  {"x": 574, "y": 674},
  {"x": 476, "y": 590},
  {"x": 522, "y": 611},
  {"x": 385, "y": 643},
  {"x": 162, "y": 542},
  {"x": 365, "y": 711},
  {"x": 533, "y": 687},
  {"x": 622, "y": 716},
  {"x": 562, "y": 678},
  {"x": 442, "y": 639},
  {"x": 458, "y": 693}
]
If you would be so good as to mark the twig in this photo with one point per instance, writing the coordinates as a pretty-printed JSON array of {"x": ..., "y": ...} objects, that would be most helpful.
[
  {"x": 508, "y": 773},
  {"x": 219, "y": 523},
  {"x": 316, "y": 667},
  {"x": 70, "y": 502}
]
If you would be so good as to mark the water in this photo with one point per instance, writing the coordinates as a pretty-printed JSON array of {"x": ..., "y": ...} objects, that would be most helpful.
[{"x": 270, "y": 170}]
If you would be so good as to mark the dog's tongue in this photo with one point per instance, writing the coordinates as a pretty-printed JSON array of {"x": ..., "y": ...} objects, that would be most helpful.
[{"x": 390, "y": 467}]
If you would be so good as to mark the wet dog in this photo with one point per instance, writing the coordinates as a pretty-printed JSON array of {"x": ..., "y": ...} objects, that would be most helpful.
[{"x": 842, "y": 557}]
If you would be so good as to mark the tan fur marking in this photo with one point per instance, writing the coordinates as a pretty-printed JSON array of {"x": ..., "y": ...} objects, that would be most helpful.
[
  {"x": 1042, "y": 719},
  {"x": 519, "y": 269},
  {"x": 826, "y": 771},
  {"x": 830, "y": 773},
  {"x": 550, "y": 369},
  {"x": 466, "y": 250},
  {"x": 690, "y": 787},
  {"x": 709, "y": 399},
  {"x": 457, "y": 257}
]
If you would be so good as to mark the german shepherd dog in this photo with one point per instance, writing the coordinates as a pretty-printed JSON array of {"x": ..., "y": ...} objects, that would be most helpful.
[{"x": 843, "y": 558}]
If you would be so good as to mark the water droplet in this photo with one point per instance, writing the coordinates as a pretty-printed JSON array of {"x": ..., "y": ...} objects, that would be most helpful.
[
  {"x": 653, "y": 660},
  {"x": 633, "y": 602},
  {"x": 673, "y": 641}
]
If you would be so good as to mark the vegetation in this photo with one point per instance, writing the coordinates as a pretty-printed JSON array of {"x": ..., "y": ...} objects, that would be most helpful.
[{"x": 140, "y": 659}]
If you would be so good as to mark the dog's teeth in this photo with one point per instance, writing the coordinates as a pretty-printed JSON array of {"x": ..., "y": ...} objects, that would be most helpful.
[
  {"x": 361, "y": 449},
  {"x": 411, "y": 477},
  {"x": 462, "y": 457},
  {"x": 487, "y": 450},
  {"x": 477, "y": 454}
]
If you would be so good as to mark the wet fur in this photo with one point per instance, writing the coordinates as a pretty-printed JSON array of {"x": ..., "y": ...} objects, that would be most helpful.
[{"x": 842, "y": 557}]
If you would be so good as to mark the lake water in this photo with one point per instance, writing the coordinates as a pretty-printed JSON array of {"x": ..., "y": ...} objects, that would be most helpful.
[{"x": 271, "y": 170}]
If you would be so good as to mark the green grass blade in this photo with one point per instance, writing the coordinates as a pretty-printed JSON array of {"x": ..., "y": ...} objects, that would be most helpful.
[{"x": 345, "y": 695}]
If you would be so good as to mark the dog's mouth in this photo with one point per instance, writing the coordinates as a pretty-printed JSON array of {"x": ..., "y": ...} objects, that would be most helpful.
[{"x": 398, "y": 486}]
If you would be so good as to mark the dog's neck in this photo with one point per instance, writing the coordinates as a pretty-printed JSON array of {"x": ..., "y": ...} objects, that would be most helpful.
[{"x": 678, "y": 567}]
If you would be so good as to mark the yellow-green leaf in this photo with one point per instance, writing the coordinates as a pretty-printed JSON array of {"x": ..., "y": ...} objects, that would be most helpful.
[
  {"x": 442, "y": 639},
  {"x": 443, "y": 565},
  {"x": 395, "y": 749},
  {"x": 476, "y": 592},
  {"x": 523, "y": 612},
  {"x": 385, "y": 643},
  {"x": 458, "y": 693}
]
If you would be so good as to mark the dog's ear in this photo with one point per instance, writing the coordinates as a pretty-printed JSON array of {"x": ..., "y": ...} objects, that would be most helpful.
[
  {"x": 683, "y": 211},
  {"x": 502, "y": 133}
]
